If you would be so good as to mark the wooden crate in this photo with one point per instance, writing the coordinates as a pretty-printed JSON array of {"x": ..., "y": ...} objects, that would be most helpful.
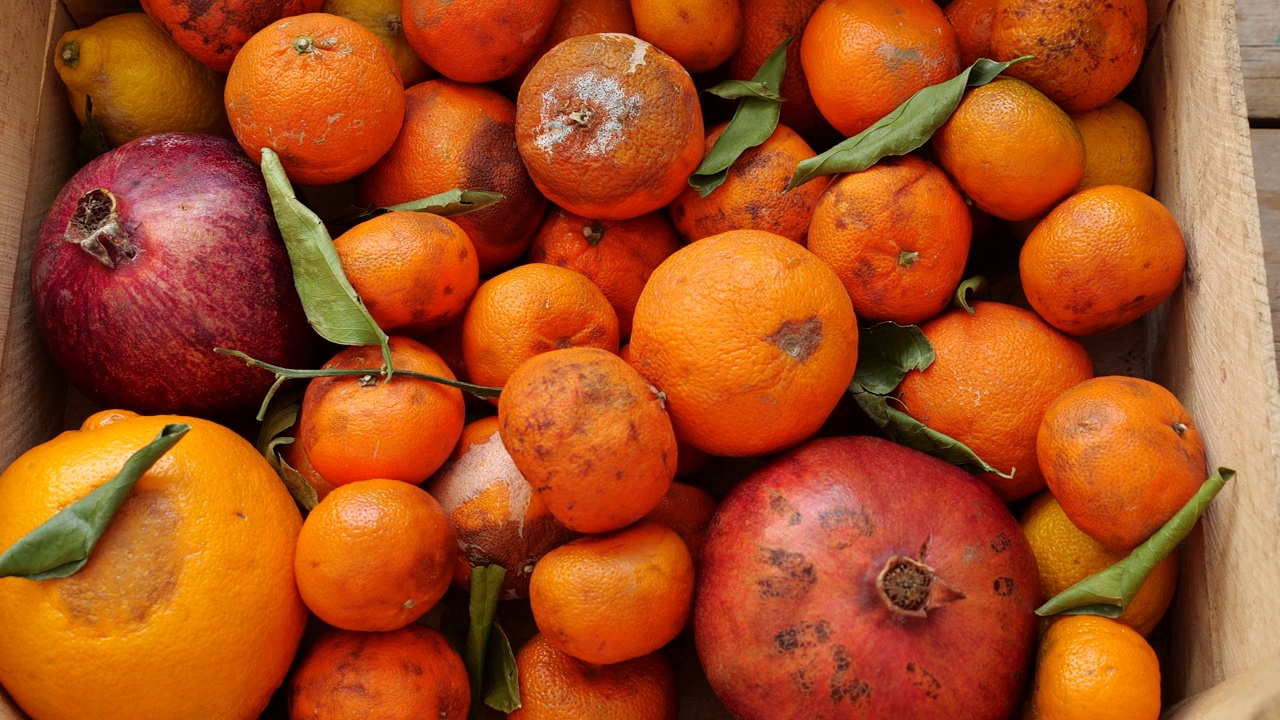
[{"x": 1212, "y": 343}]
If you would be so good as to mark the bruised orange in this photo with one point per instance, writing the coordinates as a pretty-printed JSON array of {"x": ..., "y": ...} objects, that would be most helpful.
[
  {"x": 214, "y": 31},
  {"x": 971, "y": 20},
  {"x": 477, "y": 41}
]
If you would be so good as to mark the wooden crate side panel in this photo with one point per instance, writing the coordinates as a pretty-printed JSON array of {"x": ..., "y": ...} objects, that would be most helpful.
[
  {"x": 1259, "y": 26},
  {"x": 1212, "y": 344},
  {"x": 1266, "y": 175},
  {"x": 1250, "y": 695}
]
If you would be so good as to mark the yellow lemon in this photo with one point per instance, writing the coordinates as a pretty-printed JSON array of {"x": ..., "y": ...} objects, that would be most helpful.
[
  {"x": 383, "y": 18},
  {"x": 1117, "y": 147},
  {"x": 138, "y": 80}
]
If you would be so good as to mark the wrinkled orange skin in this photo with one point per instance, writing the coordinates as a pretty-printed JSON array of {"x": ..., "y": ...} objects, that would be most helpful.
[
  {"x": 213, "y": 31},
  {"x": 477, "y": 41},
  {"x": 577, "y": 17},
  {"x": 609, "y": 126},
  {"x": 699, "y": 34},
  {"x": 613, "y": 597},
  {"x": 461, "y": 136},
  {"x": 1121, "y": 455},
  {"x": 867, "y": 226},
  {"x": 971, "y": 20},
  {"x": 766, "y": 23},
  {"x": 1093, "y": 668},
  {"x": 555, "y": 685}
]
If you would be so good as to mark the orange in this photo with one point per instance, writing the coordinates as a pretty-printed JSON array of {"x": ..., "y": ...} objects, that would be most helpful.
[
  {"x": 375, "y": 555},
  {"x": 1092, "y": 668},
  {"x": 751, "y": 338},
  {"x": 971, "y": 20},
  {"x": 147, "y": 628},
  {"x": 556, "y": 685},
  {"x": 1085, "y": 52},
  {"x": 590, "y": 435},
  {"x": 608, "y": 598},
  {"x": 320, "y": 90},
  {"x": 898, "y": 236},
  {"x": 687, "y": 510},
  {"x": 609, "y": 126},
  {"x": 700, "y": 34},
  {"x": 1117, "y": 147},
  {"x": 1065, "y": 556},
  {"x": 293, "y": 456},
  {"x": 382, "y": 17},
  {"x": 994, "y": 374},
  {"x": 577, "y": 17},
  {"x": 477, "y": 41},
  {"x": 415, "y": 271},
  {"x": 214, "y": 31},
  {"x": 365, "y": 427},
  {"x": 461, "y": 136},
  {"x": 1122, "y": 455},
  {"x": 766, "y": 23},
  {"x": 499, "y": 518},
  {"x": 1103, "y": 258},
  {"x": 863, "y": 58},
  {"x": 754, "y": 194},
  {"x": 617, "y": 255},
  {"x": 1011, "y": 150},
  {"x": 406, "y": 674},
  {"x": 532, "y": 309}
]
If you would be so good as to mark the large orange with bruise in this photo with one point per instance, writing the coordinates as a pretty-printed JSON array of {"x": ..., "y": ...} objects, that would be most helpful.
[
  {"x": 1085, "y": 52},
  {"x": 898, "y": 236},
  {"x": 766, "y": 23},
  {"x": 461, "y": 136},
  {"x": 213, "y": 31},
  {"x": 699, "y": 34},
  {"x": 863, "y": 58},
  {"x": 320, "y": 90},
  {"x": 407, "y": 674},
  {"x": 613, "y": 597},
  {"x": 752, "y": 339},
  {"x": 147, "y": 629},
  {"x": 609, "y": 126},
  {"x": 555, "y": 685},
  {"x": 618, "y": 255},
  {"x": 590, "y": 435},
  {"x": 754, "y": 193},
  {"x": 477, "y": 41},
  {"x": 995, "y": 373}
]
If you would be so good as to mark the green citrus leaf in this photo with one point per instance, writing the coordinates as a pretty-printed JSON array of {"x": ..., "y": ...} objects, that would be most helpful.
[
  {"x": 886, "y": 352},
  {"x": 303, "y": 492},
  {"x": 61, "y": 545},
  {"x": 486, "y": 588},
  {"x": 502, "y": 681},
  {"x": 450, "y": 203},
  {"x": 281, "y": 415},
  {"x": 909, "y": 126},
  {"x": 735, "y": 89},
  {"x": 975, "y": 287}
]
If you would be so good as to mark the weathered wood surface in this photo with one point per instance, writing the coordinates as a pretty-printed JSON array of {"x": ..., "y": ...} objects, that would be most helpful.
[{"x": 1258, "y": 24}]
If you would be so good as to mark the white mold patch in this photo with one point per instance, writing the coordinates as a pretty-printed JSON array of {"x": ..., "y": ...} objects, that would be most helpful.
[{"x": 595, "y": 106}]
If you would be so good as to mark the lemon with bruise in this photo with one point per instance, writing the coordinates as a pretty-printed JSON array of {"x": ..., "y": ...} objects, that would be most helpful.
[{"x": 138, "y": 80}]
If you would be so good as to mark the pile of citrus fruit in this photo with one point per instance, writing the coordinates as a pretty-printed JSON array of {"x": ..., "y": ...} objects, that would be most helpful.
[{"x": 654, "y": 338}]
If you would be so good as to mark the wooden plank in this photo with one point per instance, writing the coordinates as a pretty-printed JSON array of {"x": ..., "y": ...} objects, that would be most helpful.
[
  {"x": 1212, "y": 345},
  {"x": 1266, "y": 175},
  {"x": 1258, "y": 23},
  {"x": 1248, "y": 696}
]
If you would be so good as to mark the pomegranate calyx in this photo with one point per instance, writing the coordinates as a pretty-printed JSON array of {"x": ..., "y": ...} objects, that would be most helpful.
[
  {"x": 911, "y": 588},
  {"x": 94, "y": 220}
]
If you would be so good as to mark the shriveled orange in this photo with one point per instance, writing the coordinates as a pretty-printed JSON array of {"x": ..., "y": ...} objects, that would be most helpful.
[
  {"x": 1117, "y": 147},
  {"x": 1085, "y": 52},
  {"x": 863, "y": 58},
  {"x": 477, "y": 41},
  {"x": 1065, "y": 555},
  {"x": 555, "y": 685},
  {"x": 499, "y": 518},
  {"x": 382, "y": 17},
  {"x": 971, "y": 20},
  {"x": 618, "y": 255},
  {"x": 613, "y": 597},
  {"x": 590, "y": 435},
  {"x": 699, "y": 34},
  {"x": 898, "y": 236},
  {"x": 1011, "y": 150},
  {"x": 147, "y": 628},
  {"x": 574, "y": 18},
  {"x": 1103, "y": 258},
  {"x": 995, "y": 373},
  {"x": 405, "y": 674},
  {"x": 214, "y": 31},
  {"x": 1092, "y": 668},
  {"x": 752, "y": 339},
  {"x": 531, "y": 309},
  {"x": 322, "y": 91},
  {"x": 754, "y": 194},
  {"x": 415, "y": 271},
  {"x": 461, "y": 136},
  {"x": 365, "y": 427},
  {"x": 687, "y": 510},
  {"x": 609, "y": 126},
  {"x": 1122, "y": 455},
  {"x": 766, "y": 23}
]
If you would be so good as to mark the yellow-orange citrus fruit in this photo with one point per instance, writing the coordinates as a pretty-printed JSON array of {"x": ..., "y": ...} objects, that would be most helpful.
[
  {"x": 383, "y": 19},
  {"x": 699, "y": 34},
  {"x": 555, "y": 685},
  {"x": 1117, "y": 147},
  {"x": 1092, "y": 668}
]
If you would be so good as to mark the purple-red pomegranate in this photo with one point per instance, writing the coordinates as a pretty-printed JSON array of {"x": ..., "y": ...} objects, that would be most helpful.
[
  {"x": 153, "y": 255},
  {"x": 856, "y": 578}
]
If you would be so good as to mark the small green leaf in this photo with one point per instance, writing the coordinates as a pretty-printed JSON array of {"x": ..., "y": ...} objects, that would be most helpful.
[
  {"x": 280, "y": 415},
  {"x": 450, "y": 203},
  {"x": 60, "y": 546},
  {"x": 887, "y": 352},
  {"x": 1109, "y": 592},
  {"x": 486, "y": 587},
  {"x": 93, "y": 138},
  {"x": 975, "y": 287},
  {"x": 735, "y": 89},
  {"x": 909, "y": 126},
  {"x": 502, "y": 682},
  {"x": 753, "y": 121},
  {"x": 303, "y": 492},
  {"x": 333, "y": 308}
]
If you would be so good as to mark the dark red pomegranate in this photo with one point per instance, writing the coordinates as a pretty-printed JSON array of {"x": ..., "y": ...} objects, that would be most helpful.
[
  {"x": 856, "y": 578},
  {"x": 152, "y": 255}
]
